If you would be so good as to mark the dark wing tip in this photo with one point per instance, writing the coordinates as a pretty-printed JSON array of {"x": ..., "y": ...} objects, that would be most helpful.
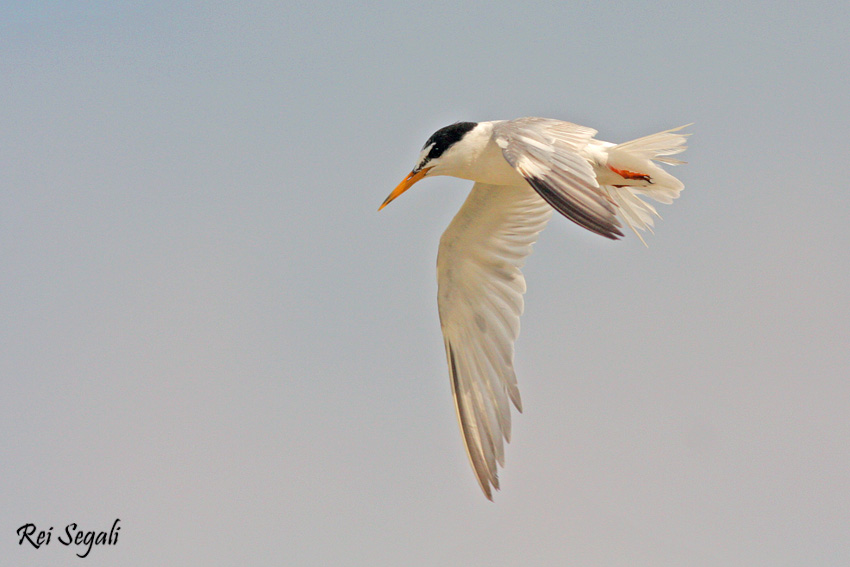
[
  {"x": 478, "y": 467},
  {"x": 607, "y": 227}
]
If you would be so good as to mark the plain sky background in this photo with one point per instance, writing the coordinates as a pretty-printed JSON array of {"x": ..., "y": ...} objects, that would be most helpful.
[{"x": 208, "y": 331}]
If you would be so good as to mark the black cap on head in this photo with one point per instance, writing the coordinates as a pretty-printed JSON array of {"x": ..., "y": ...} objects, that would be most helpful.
[{"x": 444, "y": 138}]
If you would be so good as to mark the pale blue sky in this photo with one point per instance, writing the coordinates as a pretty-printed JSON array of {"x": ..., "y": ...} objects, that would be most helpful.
[{"x": 208, "y": 331}]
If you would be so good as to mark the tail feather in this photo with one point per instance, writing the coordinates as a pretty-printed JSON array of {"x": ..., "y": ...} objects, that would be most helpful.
[
  {"x": 639, "y": 156},
  {"x": 656, "y": 146}
]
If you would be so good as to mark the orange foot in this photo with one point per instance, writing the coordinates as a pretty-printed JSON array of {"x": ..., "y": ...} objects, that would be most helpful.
[{"x": 626, "y": 174}]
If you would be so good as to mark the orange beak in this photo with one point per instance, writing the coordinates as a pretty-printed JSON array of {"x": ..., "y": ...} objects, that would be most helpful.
[{"x": 408, "y": 182}]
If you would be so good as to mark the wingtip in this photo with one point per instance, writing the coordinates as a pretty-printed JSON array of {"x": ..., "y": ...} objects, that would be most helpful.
[{"x": 485, "y": 488}]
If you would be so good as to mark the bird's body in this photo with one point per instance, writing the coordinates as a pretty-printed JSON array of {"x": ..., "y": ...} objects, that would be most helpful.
[{"x": 523, "y": 169}]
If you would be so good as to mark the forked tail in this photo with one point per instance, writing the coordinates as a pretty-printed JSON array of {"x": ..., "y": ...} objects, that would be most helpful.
[{"x": 636, "y": 174}]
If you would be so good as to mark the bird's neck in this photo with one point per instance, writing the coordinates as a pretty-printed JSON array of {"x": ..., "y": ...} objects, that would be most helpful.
[{"x": 482, "y": 160}]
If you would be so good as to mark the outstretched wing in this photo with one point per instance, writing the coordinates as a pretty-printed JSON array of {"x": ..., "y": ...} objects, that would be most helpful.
[
  {"x": 547, "y": 153},
  {"x": 480, "y": 302}
]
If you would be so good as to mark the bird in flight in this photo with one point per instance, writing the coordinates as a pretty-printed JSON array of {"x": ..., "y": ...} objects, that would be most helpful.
[{"x": 522, "y": 169}]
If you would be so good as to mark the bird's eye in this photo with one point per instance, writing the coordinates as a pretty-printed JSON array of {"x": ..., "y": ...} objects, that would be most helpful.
[{"x": 424, "y": 156}]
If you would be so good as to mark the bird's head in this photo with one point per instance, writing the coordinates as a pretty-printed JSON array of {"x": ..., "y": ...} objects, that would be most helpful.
[{"x": 439, "y": 156}]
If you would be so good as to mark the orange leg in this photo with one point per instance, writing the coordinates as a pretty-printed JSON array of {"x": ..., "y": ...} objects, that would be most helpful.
[{"x": 626, "y": 174}]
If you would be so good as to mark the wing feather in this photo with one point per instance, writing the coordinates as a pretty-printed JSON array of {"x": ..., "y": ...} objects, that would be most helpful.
[
  {"x": 480, "y": 302},
  {"x": 547, "y": 153}
]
